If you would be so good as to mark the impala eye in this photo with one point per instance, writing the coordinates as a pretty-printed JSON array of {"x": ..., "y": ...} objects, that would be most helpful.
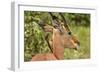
[{"x": 69, "y": 33}]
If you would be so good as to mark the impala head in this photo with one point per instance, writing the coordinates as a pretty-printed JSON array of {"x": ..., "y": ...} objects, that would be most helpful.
[
  {"x": 63, "y": 34},
  {"x": 66, "y": 38}
]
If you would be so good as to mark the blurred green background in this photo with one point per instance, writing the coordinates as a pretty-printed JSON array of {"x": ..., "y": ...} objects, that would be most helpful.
[{"x": 34, "y": 40}]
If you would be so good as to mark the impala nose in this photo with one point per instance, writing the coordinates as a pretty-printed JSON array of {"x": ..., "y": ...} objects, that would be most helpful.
[{"x": 77, "y": 46}]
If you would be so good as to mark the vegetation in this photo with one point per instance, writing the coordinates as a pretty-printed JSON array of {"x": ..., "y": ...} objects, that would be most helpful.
[{"x": 34, "y": 40}]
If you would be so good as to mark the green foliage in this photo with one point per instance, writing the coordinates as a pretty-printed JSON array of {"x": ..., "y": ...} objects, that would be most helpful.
[
  {"x": 78, "y": 19},
  {"x": 34, "y": 39}
]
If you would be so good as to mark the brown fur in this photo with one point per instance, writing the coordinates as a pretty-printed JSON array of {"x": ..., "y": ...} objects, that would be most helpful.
[{"x": 43, "y": 57}]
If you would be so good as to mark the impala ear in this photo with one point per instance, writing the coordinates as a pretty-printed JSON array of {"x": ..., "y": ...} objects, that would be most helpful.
[{"x": 48, "y": 28}]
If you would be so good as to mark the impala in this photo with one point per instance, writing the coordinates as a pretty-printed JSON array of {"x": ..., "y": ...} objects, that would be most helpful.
[{"x": 62, "y": 37}]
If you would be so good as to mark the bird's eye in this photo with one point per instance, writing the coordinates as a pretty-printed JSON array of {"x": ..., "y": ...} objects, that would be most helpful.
[{"x": 69, "y": 33}]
